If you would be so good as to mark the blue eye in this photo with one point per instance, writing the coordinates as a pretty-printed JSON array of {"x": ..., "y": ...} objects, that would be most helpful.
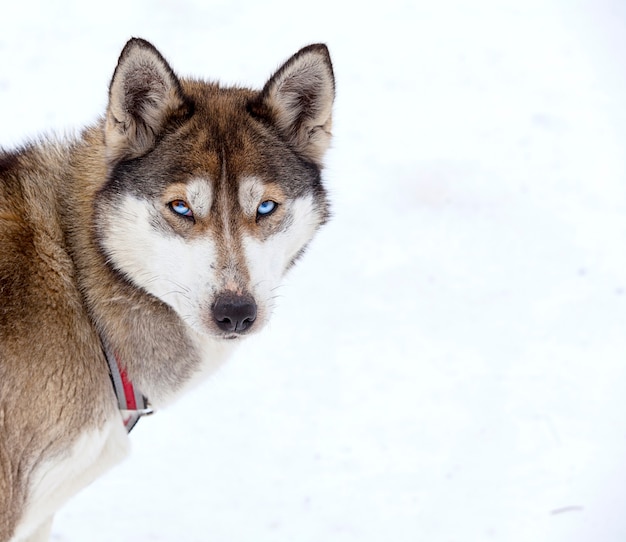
[
  {"x": 266, "y": 208},
  {"x": 181, "y": 208}
]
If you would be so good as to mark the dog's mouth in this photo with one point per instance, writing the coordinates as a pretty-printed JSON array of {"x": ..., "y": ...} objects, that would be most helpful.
[{"x": 232, "y": 337}]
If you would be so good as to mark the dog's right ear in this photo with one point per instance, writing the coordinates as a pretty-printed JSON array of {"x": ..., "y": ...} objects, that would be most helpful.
[{"x": 143, "y": 96}]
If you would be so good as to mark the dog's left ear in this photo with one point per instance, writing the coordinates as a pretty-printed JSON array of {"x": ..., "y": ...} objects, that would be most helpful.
[
  {"x": 143, "y": 96},
  {"x": 298, "y": 100}
]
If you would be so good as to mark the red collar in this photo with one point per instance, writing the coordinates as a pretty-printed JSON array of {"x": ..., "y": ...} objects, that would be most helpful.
[{"x": 132, "y": 403}]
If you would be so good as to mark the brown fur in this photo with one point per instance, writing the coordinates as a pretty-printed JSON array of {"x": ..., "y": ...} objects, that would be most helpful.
[
  {"x": 54, "y": 378},
  {"x": 58, "y": 294}
]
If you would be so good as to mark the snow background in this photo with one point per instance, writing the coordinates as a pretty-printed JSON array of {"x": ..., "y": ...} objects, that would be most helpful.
[{"x": 447, "y": 362}]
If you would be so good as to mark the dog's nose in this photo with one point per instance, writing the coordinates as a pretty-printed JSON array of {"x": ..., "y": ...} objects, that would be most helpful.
[{"x": 234, "y": 313}]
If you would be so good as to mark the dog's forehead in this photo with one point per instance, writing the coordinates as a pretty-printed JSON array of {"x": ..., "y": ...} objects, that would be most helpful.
[
  {"x": 224, "y": 144},
  {"x": 220, "y": 115}
]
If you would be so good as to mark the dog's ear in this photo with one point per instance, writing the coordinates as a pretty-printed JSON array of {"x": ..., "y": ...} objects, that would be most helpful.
[
  {"x": 298, "y": 100},
  {"x": 143, "y": 96}
]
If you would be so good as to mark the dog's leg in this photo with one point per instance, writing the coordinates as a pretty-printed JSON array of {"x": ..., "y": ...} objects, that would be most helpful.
[{"x": 42, "y": 534}]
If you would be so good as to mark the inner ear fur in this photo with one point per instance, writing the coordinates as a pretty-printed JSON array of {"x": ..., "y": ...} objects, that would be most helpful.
[
  {"x": 143, "y": 96},
  {"x": 298, "y": 100}
]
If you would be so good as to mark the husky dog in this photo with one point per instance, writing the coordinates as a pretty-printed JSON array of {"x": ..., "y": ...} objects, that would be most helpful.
[{"x": 137, "y": 255}]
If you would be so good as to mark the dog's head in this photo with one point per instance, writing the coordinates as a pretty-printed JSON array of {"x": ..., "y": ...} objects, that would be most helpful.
[{"x": 212, "y": 193}]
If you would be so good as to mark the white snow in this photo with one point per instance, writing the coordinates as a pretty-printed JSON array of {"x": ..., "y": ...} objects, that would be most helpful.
[{"x": 448, "y": 362}]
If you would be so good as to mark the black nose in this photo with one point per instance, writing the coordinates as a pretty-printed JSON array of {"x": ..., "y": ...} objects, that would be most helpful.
[{"x": 234, "y": 313}]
